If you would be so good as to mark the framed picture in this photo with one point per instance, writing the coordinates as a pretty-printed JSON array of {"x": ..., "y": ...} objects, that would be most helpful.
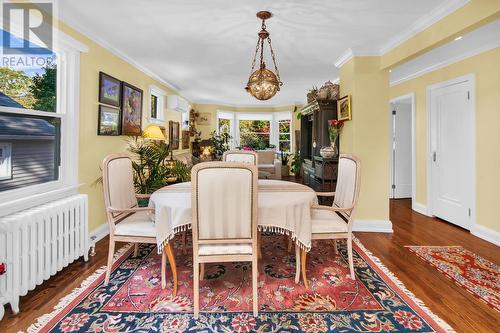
[
  {"x": 173, "y": 137},
  {"x": 185, "y": 139},
  {"x": 344, "y": 108},
  {"x": 131, "y": 110},
  {"x": 109, "y": 121},
  {"x": 109, "y": 90},
  {"x": 204, "y": 118}
]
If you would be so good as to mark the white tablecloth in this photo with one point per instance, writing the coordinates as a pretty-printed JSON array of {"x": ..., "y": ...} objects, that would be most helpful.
[{"x": 283, "y": 207}]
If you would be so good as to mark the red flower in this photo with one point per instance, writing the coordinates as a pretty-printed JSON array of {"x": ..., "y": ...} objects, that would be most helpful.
[
  {"x": 408, "y": 320},
  {"x": 336, "y": 123},
  {"x": 2, "y": 268}
]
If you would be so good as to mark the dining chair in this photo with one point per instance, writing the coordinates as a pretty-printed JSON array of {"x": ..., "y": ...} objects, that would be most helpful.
[
  {"x": 242, "y": 156},
  {"x": 335, "y": 222},
  {"x": 224, "y": 218},
  {"x": 127, "y": 221}
]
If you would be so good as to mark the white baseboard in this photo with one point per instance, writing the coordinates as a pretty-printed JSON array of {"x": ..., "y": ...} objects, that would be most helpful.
[
  {"x": 419, "y": 208},
  {"x": 372, "y": 226},
  {"x": 487, "y": 234},
  {"x": 98, "y": 233}
]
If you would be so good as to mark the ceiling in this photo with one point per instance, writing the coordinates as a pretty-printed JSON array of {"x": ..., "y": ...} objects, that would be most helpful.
[{"x": 204, "y": 49}]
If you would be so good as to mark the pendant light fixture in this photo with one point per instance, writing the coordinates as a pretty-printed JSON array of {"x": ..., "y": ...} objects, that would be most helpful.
[{"x": 263, "y": 83}]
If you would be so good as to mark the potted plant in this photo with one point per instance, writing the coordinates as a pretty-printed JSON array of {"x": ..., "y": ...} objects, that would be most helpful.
[
  {"x": 285, "y": 168},
  {"x": 220, "y": 143},
  {"x": 334, "y": 128},
  {"x": 296, "y": 164}
]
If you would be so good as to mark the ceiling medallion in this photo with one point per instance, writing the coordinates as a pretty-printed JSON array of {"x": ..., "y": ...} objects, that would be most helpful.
[{"x": 263, "y": 83}]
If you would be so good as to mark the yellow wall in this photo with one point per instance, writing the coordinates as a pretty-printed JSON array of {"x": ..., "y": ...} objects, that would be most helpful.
[
  {"x": 213, "y": 108},
  {"x": 472, "y": 15},
  {"x": 486, "y": 68},
  {"x": 94, "y": 148},
  {"x": 366, "y": 135}
]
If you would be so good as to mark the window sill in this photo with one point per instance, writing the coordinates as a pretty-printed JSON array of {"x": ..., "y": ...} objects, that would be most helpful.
[{"x": 13, "y": 206}]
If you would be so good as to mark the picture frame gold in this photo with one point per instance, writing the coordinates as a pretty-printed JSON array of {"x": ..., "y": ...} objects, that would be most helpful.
[
  {"x": 344, "y": 108},
  {"x": 204, "y": 119}
]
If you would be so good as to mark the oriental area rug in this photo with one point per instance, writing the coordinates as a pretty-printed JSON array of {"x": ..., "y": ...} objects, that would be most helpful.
[
  {"x": 134, "y": 301},
  {"x": 468, "y": 270}
]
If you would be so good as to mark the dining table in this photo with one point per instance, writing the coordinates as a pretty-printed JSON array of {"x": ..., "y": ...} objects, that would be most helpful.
[{"x": 283, "y": 208}]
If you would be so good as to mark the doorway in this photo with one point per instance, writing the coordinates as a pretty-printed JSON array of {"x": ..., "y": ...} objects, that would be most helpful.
[
  {"x": 402, "y": 152},
  {"x": 451, "y": 151}
]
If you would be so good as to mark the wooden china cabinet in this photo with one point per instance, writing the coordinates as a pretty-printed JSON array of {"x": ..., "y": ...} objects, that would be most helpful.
[{"x": 317, "y": 172}]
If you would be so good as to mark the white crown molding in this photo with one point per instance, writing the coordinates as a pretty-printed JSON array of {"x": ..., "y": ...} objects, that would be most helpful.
[
  {"x": 355, "y": 52},
  {"x": 423, "y": 23},
  {"x": 487, "y": 234},
  {"x": 372, "y": 226},
  {"x": 446, "y": 63},
  {"x": 111, "y": 48},
  {"x": 336, "y": 80}
]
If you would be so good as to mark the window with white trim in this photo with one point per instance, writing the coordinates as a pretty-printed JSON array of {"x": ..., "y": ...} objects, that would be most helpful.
[
  {"x": 258, "y": 130},
  {"x": 156, "y": 105},
  {"x": 39, "y": 119}
]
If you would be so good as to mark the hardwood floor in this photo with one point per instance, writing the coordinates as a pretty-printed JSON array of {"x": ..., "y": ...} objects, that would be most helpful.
[{"x": 456, "y": 306}]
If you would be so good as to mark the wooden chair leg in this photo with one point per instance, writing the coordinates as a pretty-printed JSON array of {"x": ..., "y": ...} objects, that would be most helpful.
[
  {"x": 111, "y": 253},
  {"x": 184, "y": 249},
  {"x": 297, "y": 264},
  {"x": 335, "y": 248},
  {"x": 303, "y": 267},
  {"x": 136, "y": 249},
  {"x": 202, "y": 271},
  {"x": 171, "y": 260},
  {"x": 196, "y": 288},
  {"x": 259, "y": 245},
  {"x": 163, "y": 269},
  {"x": 289, "y": 244},
  {"x": 349, "y": 254},
  {"x": 255, "y": 286}
]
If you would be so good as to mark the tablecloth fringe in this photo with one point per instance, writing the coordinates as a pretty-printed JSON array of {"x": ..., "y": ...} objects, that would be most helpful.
[
  {"x": 284, "y": 231},
  {"x": 179, "y": 228},
  {"x": 279, "y": 230}
]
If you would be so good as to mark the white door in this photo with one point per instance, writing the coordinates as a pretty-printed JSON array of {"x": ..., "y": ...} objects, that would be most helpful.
[
  {"x": 402, "y": 153},
  {"x": 452, "y": 152}
]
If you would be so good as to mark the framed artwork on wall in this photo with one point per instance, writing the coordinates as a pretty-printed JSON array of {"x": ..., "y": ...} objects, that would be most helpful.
[
  {"x": 173, "y": 137},
  {"x": 131, "y": 110},
  {"x": 204, "y": 118},
  {"x": 185, "y": 139},
  {"x": 108, "y": 121},
  {"x": 109, "y": 90},
  {"x": 344, "y": 108}
]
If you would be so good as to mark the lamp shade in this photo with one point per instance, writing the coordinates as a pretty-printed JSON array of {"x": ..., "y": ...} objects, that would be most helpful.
[{"x": 153, "y": 132}]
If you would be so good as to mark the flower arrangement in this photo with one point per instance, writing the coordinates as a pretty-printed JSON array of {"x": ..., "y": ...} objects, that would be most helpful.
[
  {"x": 2, "y": 268},
  {"x": 334, "y": 128}
]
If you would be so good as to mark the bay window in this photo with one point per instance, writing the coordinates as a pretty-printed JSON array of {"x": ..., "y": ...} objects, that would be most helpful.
[{"x": 258, "y": 130}]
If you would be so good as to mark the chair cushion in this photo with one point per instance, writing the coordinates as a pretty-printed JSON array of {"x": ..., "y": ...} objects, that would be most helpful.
[
  {"x": 215, "y": 249},
  {"x": 323, "y": 221},
  {"x": 137, "y": 224}
]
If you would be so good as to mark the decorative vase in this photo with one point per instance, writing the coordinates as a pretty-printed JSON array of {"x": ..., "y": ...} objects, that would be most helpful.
[{"x": 328, "y": 151}]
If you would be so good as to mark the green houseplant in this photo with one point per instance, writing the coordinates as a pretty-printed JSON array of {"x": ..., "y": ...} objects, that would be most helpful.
[
  {"x": 285, "y": 159},
  {"x": 296, "y": 164}
]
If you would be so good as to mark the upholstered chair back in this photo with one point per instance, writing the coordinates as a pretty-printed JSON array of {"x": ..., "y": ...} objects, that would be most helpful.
[
  {"x": 266, "y": 156},
  {"x": 241, "y": 156},
  {"x": 224, "y": 200},
  {"x": 118, "y": 183},
  {"x": 348, "y": 181}
]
